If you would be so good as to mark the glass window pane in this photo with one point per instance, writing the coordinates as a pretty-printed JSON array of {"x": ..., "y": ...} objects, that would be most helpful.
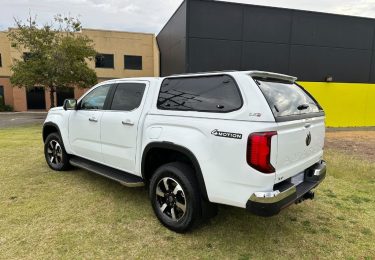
[
  {"x": 128, "y": 96},
  {"x": 208, "y": 94},
  {"x": 286, "y": 99},
  {"x": 132, "y": 62},
  {"x": 96, "y": 98},
  {"x": 104, "y": 61}
]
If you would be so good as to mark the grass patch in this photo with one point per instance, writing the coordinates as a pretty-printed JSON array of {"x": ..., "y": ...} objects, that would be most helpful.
[{"x": 76, "y": 214}]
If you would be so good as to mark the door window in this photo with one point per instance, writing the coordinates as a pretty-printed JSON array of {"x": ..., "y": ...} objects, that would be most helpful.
[
  {"x": 95, "y": 99},
  {"x": 128, "y": 96}
]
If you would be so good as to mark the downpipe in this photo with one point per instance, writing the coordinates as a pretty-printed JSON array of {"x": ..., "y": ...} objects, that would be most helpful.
[{"x": 308, "y": 196}]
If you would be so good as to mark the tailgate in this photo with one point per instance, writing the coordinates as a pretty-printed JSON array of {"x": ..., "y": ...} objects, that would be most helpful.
[
  {"x": 300, "y": 125},
  {"x": 300, "y": 145}
]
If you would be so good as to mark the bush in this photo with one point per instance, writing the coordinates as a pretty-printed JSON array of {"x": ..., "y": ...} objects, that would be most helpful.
[{"x": 3, "y": 107}]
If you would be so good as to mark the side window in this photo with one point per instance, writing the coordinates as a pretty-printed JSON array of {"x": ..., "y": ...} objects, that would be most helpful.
[
  {"x": 205, "y": 94},
  {"x": 128, "y": 96},
  {"x": 95, "y": 99}
]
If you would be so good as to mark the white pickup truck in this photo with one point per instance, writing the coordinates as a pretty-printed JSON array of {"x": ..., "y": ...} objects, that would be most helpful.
[{"x": 249, "y": 139}]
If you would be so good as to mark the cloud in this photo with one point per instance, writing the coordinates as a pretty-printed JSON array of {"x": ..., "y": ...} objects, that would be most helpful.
[
  {"x": 358, "y": 8},
  {"x": 127, "y": 15},
  {"x": 150, "y": 15}
]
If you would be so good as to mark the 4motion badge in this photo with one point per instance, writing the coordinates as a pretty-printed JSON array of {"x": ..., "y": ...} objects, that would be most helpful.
[{"x": 226, "y": 134}]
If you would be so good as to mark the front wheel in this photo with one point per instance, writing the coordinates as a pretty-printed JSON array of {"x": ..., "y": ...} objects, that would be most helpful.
[
  {"x": 175, "y": 197},
  {"x": 55, "y": 154}
]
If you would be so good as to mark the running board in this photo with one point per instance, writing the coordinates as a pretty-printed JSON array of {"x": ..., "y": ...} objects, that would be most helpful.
[{"x": 126, "y": 179}]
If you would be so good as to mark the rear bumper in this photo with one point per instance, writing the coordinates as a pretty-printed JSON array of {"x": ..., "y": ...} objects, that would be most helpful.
[{"x": 271, "y": 203}]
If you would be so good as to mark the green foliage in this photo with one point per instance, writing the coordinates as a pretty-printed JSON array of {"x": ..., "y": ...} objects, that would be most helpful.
[
  {"x": 57, "y": 55},
  {"x": 3, "y": 107}
]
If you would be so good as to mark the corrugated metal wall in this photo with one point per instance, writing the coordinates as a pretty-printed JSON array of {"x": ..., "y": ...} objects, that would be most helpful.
[{"x": 309, "y": 45}]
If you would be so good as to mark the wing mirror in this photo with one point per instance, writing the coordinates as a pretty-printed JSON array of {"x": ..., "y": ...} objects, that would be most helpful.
[{"x": 70, "y": 104}]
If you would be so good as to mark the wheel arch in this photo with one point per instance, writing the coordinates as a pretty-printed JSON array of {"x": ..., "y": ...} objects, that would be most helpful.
[
  {"x": 176, "y": 148},
  {"x": 49, "y": 128}
]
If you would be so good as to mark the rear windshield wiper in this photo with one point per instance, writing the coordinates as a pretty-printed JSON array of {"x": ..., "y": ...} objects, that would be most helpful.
[{"x": 303, "y": 107}]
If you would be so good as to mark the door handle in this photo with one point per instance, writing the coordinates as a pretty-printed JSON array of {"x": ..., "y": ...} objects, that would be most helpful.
[
  {"x": 308, "y": 125},
  {"x": 93, "y": 119},
  {"x": 127, "y": 122}
]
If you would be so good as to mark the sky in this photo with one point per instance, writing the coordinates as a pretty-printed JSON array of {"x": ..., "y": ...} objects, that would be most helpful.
[{"x": 149, "y": 15}]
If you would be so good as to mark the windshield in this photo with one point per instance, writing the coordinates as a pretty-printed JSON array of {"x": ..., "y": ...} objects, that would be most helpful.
[{"x": 287, "y": 99}]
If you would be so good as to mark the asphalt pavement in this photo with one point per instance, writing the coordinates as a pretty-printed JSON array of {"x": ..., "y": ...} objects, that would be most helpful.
[{"x": 14, "y": 119}]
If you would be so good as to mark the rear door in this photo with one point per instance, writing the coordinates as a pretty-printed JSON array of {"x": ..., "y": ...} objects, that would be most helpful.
[
  {"x": 119, "y": 125},
  {"x": 300, "y": 126}
]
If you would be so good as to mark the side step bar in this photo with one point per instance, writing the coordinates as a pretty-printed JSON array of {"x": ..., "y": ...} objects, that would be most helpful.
[{"x": 126, "y": 179}]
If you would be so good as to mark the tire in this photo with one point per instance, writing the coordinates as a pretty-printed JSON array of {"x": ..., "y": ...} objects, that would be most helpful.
[
  {"x": 175, "y": 196},
  {"x": 55, "y": 154}
]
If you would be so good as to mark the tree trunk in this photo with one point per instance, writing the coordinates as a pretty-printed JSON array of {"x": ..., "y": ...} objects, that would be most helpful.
[{"x": 52, "y": 96}]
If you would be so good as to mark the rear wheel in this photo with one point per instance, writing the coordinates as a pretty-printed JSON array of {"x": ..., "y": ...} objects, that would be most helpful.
[
  {"x": 55, "y": 154},
  {"x": 175, "y": 197}
]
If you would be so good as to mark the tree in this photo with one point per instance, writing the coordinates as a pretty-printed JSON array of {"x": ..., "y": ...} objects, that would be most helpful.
[{"x": 56, "y": 55}]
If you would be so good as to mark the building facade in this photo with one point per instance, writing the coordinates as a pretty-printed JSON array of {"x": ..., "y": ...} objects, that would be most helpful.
[
  {"x": 120, "y": 55},
  {"x": 333, "y": 56}
]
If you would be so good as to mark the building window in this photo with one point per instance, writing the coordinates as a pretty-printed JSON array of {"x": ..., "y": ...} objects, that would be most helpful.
[
  {"x": 133, "y": 62},
  {"x": 1, "y": 63},
  {"x": 104, "y": 61}
]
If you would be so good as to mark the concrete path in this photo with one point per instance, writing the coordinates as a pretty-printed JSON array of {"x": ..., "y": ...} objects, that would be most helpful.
[{"x": 13, "y": 119}]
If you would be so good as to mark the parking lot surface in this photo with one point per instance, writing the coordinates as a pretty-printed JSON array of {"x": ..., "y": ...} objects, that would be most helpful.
[{"x": 14, "y": 119}]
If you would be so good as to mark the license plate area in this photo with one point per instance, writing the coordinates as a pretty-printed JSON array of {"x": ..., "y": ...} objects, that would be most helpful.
[{"x": 298, "y": 179}]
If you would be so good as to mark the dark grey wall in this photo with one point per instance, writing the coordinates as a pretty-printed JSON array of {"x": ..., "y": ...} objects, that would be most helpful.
[
  {"x": 309, "y": 45},
  {"x": 172, "y": 43}
]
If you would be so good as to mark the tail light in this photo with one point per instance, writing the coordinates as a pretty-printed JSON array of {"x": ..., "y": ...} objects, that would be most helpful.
[{"x": 259, "y": 151}]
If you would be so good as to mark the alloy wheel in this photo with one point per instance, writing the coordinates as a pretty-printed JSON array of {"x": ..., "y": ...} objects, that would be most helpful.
[
  {"x": 54, "y": 152},
  {"x": 171, "y": 198}
]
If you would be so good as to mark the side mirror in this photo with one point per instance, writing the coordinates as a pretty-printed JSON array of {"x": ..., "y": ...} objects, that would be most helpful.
[{"x": 70, "y": 104}]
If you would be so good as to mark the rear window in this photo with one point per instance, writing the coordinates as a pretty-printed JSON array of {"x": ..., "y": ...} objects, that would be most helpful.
[
  {"x": 287, "y": 99},
  {"x": 205, "y": 94}
]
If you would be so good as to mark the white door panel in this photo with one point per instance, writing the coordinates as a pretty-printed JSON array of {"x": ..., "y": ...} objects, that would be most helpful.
[
  {"x": 84, "y": 124},
  {"x": 119, "y": 126},
  {"x": 119, "y": 139},
  {"x": 84, "y": 134}
]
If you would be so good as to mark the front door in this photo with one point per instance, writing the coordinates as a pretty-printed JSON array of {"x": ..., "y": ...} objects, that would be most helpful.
[
  {"x": 120, "y": 126},
  {"x": 84, "y": 124}
]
